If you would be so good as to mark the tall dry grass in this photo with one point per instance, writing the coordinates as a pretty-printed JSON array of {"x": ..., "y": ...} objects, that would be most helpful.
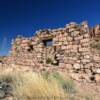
[{"x": 32, "y": 86}]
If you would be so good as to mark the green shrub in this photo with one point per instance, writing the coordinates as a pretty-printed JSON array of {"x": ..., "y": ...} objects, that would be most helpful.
[
  {"x": 95, "y": 45},
  {"x": 67, "y": 84},
  {"x": 45, "y": 74},
  {"x": 49, "y": 61}
]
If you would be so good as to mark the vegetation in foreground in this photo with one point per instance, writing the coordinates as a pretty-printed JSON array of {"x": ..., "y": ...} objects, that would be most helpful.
[
  {"x": 45, "y": 86},
  {"x": 32, "y": 86}
]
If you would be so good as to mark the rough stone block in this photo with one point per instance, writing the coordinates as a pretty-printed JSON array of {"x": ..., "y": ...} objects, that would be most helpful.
[
  {"x": 69, "y": 39},
  {"x": 69, "y": 47},
  {"x": 85, "y": 40},
  {"x": 97, "y": 78},
  {"x": 85, "y": 44},
  {"x": 76, "y": 66},
  {"x": 89, "y": 65},
  {"x": 86, "y": 36},
  {"x": 97, "y": 71},
  {"x": 63, "y": 47},
  {"x": 86, "y": 56},
  {"x": 78, "y": 38},
  {"x": 75, "y": 33},
  {"x": 85, "y": 60},
  {"x": 96, "y": 58},
  {"x": 84, "y": 49},
  {"x": 71, "y": 29},
  {"x": 69, "y": 66}
]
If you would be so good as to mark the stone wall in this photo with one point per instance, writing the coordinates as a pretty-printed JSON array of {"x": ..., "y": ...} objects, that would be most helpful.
[{"x": 69, "y": 50}]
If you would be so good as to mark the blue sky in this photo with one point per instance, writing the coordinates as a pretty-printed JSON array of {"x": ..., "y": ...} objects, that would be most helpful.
[{"x": 24, "y": 17}]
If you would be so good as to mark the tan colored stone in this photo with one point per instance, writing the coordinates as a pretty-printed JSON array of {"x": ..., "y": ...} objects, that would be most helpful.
[
  {"x": 65, "y": 43},
  {"x": 89, "y": 65},
  {"x": 69, "y": 66},
  {"x": 85, "y": 44},
  {"x": 75, "y": 51},
  {"x": 77, "y": 42},
  {"x": 85, "y": 60},
  {"x": 84, "y": 40},
  {"x": 97, "y": 65},
  {"x": 74, "y": 48},
  {"x": 76, "y": 66},
  {"x": 84, "y": 49},
  {"x": 65, "y": 34},
  {"x": 86, "y": 35},
  {"x": 97, "y": 70},
  {"x": 69, "y": 39},
  {"x": 96, "y": 58},
  {"x": 78, "y": 38},
  {"x": 87, "y": 56},
  {"x": 69, "y": 47},
  {"x": 97, "y": 78},
  {"x": 71, "y": 29},
  {"x": 64, "y": 39},
  {"x": 25, "y": 41},
  {"x": 62, "y": 64},
  {"x": 75, "y": 33},
  {"x": 63, "y": 47}
]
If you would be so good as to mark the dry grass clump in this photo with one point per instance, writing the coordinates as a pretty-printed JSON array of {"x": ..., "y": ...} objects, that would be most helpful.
[
  {"x": 45, "y": 86},
  {"x": 32, "y": 86}
]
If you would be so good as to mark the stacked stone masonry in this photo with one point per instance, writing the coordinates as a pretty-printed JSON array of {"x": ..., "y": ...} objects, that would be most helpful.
[{"x": 64, "y": 49}]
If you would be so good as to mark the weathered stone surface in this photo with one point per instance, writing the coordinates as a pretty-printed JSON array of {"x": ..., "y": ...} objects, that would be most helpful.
[
  {"x": 97, "y": 78},
  {"x": 97, "y": 65},
  {"x": 96, "y": 58},
  {"x": 97, "y": 71},
  {"x": 69, "y": 47},
  {"x": 89, "y": 65},
  {"x": 84, "y": 49},
  {"x": 85, "y": 60},
  {"x": 75, "y": 33},
  {"x": 85, "y": 44},
  {"x": 69, "y": 66},
  {"x": 76, "y": 66},
  {"x": 84, "y": 40},
  {"x": 78, "y": 38},
  {"x": 87, "y": 56},
  {"x": 69, "y": 39},
  {"x": 86, "y": 35}
]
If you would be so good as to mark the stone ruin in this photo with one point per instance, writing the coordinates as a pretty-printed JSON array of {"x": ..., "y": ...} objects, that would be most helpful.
[{"x": 69, "y": 49}]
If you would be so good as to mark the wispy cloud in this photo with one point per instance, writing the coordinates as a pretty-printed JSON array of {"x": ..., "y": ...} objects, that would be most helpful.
[{"x": 3, "y": 46}]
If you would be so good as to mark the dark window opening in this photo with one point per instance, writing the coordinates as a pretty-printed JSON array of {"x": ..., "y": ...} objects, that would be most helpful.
[
  {"x": 92, "y": 78},
  {"x": 47, "y": 42},
  {"x": 57, "y": 61},
  {"x": 1, "y": 61},
  {"x": 30, "y": 48}
]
